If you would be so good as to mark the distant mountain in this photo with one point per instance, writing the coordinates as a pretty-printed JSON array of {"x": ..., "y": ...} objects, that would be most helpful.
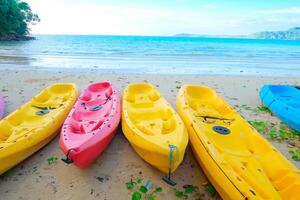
[{"x": 291, "y": 34}]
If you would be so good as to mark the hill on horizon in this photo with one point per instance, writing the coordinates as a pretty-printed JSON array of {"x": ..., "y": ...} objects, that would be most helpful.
[{"x": 290, "y": 34}]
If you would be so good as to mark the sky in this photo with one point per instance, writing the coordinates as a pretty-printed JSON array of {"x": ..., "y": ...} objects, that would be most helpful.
[{"x": 164, "y": 17}]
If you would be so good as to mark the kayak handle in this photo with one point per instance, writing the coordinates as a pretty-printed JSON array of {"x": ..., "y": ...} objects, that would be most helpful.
[{"x": 68, "y": 160}]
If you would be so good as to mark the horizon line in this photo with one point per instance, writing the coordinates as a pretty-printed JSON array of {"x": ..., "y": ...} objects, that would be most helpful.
[{"x": 135, "y": 35}]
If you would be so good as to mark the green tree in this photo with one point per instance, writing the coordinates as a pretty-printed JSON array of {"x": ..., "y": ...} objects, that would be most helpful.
[{"x": 15, "y": 16}]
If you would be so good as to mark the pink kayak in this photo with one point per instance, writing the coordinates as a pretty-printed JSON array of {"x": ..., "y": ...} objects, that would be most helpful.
[
  {"x": 1, "y": 107},
  {"x": 91, "y": 124}
]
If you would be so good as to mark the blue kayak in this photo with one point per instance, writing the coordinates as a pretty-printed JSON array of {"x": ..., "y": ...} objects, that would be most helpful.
[{"x": 284, "y": 102}]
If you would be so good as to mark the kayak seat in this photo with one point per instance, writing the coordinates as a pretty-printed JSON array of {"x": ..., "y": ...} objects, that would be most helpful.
[
  {"x": 98, "y": 87},
  {"x": 153, "y": 121},
  {"x": 5, "y": 131},
  {"x": 141, "y": 95},
  {"x": 169, "y": 126},
  {"x": 86, "y": 96}
]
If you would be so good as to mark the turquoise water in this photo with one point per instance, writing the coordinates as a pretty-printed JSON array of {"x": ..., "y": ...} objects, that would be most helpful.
[{"x": 163, "y": 55}]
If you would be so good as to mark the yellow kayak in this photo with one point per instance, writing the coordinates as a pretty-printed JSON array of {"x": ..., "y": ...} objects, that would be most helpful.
[
  {"x": 153, "y": 128},
  {"x": 34, "y": 124},
  {"x": 238, "y": 161}
]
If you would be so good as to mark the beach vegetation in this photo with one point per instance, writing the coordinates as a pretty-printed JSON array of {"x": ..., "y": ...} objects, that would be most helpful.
[
  {"x": 283, "y": 132},
  {"x": 279, "y": 133},
  {"x": 139, "y": 180},
  {"x": 245, "y": 107},
  {"x": 192, "y": 192},
  {"x": 130, "y": 184},
  {"x": 136, "y": 196},
  {"x": 143, "y": 189},
  {"x": 148, "y": 191},
  {"x": 211, "y": 190},
  {"x": 159, "y": 189},
  {"x": 295, "y": 154},
  {"x": 151, "y": 198},
  {"x": 263, "y": 127},
  {"x": 10, "y": 173},
  {"x": 15, "y": 18},
  {"x": 258, "y": 109},
  {"x": 179, "y": 194},
  {"x": 263, "y": 108},
  {"x": 51, "y": 159}
]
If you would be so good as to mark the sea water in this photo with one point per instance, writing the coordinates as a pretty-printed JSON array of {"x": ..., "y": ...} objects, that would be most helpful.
[{"x": 155, "y": 55}]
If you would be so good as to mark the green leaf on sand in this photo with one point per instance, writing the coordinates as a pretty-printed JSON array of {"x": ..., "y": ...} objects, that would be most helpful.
[
  {"x": 10, "y": 173},
  {"x": 262, "y": 126},
  {"x": 269, "y": 128},
  {"x": 245, "y": 107},
  {"x": 179, "y": 194},
  {"x": 130, "y": 184},
  {"x": 151, "y": 197},
  {"x": 189, "y": 190},
  {"x": 272, "y": 133},
  {"x": 139, "y": 180},
  {"x": 295, "y": 154},
  {"x": 263, "y": 108},
  {"x": 51, "y": 159},
  {"x": 143, "y": 189},
  {"x": 159, "y": 189},
  {"x": 136, "y": 196},
  {"x": 211, "y": 190},
  {"x": 287, "y": 133}
]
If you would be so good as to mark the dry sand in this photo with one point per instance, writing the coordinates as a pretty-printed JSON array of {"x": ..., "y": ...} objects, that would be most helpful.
[{"x": 105, "y": 179}]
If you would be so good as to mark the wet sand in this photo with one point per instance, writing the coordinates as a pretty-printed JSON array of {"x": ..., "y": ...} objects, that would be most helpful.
[{"x": 106, "y": 177}]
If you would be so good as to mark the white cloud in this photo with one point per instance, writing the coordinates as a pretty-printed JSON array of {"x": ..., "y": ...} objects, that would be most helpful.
[
  {"x": 62, "y": 17},
  {"x": 79, "y": 17}
]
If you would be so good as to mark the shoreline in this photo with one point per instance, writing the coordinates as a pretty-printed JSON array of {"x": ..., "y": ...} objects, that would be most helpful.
[
  {"x": 109, "y": 71},
  {"x": 14, "y": 37},
  {"x": 101, "y": 180}
]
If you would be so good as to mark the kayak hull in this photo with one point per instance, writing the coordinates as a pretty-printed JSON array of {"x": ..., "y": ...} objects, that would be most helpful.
[
  {"x": 87, "y": 156},
  {"x": 158, "y": 158},
  {"x": 91, "y": 124},
  {"x": 9, "y": 162},
  {"x": 151, "y": 126},
  {"x": 32, "y": 126},
  {"x": 237, "y": 160},
  {"x": 217, "y": 178},
  {"x": 1, "y": 106},
  {"x": 284, "y": 102}
]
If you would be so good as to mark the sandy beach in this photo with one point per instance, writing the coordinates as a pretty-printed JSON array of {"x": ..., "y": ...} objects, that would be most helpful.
[{"x": 106, "y": 178}]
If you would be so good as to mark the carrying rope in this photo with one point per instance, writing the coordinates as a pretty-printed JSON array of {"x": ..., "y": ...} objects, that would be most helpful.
[
  {"x": 44, "y": 110},
  {"x": 172, "y": 161},
  {"x": 97, "y": 107},
  {"x": 225, "y": 120}
]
